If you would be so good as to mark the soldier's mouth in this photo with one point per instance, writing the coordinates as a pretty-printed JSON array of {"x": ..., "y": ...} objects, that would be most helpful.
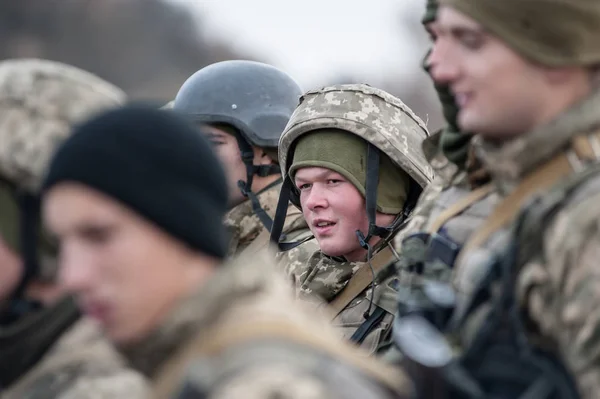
[{"x": 322, "y": 226}]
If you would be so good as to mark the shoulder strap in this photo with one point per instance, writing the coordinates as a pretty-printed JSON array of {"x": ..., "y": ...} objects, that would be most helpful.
[
  {"x": 361, "y": 280},
  {"x": 458, "y": 207},
  {"x": 561, "y": 166},
  {"x": 222, "y": 338}
]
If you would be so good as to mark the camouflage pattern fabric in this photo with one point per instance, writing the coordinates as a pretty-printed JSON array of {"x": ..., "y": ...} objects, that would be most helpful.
[
  {"x": 319, "y": 279},
  {"x": 244, "y": 226},
  {"x": 558, "y": 286},
  {"x": 387, "y": 123},
  {"x": 254, "y": 293},
  {"x": 450, "y": 186},
  {"x": 373, "y": 114},
  {"x": 81, "y": 364},
  {"x": 40, "y": 101}
]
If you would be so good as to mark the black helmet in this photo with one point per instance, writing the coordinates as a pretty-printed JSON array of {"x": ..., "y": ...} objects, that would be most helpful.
[{"x": 256, "y": 99}]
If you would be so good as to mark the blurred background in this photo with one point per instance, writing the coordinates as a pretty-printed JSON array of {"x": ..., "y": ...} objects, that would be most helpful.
[{"x": 149, "y": 47}]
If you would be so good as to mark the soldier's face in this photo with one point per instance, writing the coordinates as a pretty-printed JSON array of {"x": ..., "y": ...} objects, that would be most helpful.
[
  {"x": 334, "y": 209},
  {"x": 125, "y": 273},
  {"x": 499, "y": 93},
  {"x": 228, "y": 151}
]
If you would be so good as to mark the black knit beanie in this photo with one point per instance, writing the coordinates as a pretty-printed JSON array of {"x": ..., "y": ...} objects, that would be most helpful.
[{"x": 156, "y": 164}]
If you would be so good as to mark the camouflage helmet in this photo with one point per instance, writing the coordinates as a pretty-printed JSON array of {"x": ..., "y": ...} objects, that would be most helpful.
[
  {"x": 40, "y": 101},
  {"x": 385, "y": 122},
  {"x": 370, "y": 113}
]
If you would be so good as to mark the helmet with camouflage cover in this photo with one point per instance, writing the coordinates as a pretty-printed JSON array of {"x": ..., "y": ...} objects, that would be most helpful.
[
  {"x": 40, "y": 101},
  {"x": 370, "y": 113},
  {"x": 374, "y": 115},
  {"x": 256, "y": 99}
]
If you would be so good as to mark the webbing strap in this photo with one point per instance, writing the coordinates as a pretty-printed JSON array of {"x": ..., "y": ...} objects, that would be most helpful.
[
  {"x": 361, "y": 280},
  {"x": 559, "y": 167},
  {"x": 458, "y": 207},
  {"x": 368, "y": 325}
]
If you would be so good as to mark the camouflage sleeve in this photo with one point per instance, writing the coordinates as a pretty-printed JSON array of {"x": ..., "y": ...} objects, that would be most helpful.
[
  {"x": 283, "y": 380},
  {"x": 124, "y": 384},
  {"x": 562, "y": 291}
]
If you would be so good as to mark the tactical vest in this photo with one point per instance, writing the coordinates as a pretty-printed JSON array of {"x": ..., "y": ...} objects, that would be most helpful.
[{"x": 501, "y": 361}]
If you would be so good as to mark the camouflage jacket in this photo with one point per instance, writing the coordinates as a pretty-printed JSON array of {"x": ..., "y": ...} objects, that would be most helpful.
[
  {"x": 244, "y": 226},
  {"x": 243, "y": 334},
  {"x": 450, "y": 186},
  {"x": 319, "y": 279},
  {"x": 81, "y": 363},
  {"x": 557, "y": 285}
]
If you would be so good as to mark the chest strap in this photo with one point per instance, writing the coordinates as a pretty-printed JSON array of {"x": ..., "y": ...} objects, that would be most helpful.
[
  {"x": 460, "y": 206},
  {"x": 583, "y": 149},
  {"x": 361, "y": 280}
]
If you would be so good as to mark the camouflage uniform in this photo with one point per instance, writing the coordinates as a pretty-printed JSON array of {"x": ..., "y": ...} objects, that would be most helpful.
[
  {"x": 450, "y": 186},
  {"x": 556, "y": 284},
  {"x": 386, "y": 122},
  {"x": 52, "y": 352},
  {"x": 244, "y": 225},
  {"x": 243, "y": 334}
]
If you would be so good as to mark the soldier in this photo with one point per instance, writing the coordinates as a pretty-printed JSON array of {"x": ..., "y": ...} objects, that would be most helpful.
[
  {"x": 526, "y": 313},
  {"x": 453, "y": 206},
  {"x": 243, "y": 107},
  {"x": 47, "y": 349},
  {"x": 136, "y": 199},
  {"x": 351, "y": 160}
]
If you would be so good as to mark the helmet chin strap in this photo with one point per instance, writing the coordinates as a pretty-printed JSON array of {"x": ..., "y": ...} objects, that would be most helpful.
[
  {"x": 29, "y": 206},
  {"x": 372, "y": 183},
  {"x": 245, "y": 187}
]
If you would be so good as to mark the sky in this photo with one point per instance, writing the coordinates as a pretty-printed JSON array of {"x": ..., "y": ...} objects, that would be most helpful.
[{"x": 314, "y": 40}]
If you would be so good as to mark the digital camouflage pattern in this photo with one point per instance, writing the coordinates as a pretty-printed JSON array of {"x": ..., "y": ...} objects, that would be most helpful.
[
  {"x": 200, "y": 350},
  {"x": 319, "y": 279},
  {"x": 244, "y": 226},
  {"x": 373, "y": 114},
  {"x": 558, "y": 283},
  {"x": 384, "y": 121},
  {"x": 450, "y": 186},
  {"x": 81, "y": 364},
  {"x": 40, "y": 101}
]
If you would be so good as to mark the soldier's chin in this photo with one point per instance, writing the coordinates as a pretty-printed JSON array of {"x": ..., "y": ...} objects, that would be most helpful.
[{"x": 330, "y": 248}]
